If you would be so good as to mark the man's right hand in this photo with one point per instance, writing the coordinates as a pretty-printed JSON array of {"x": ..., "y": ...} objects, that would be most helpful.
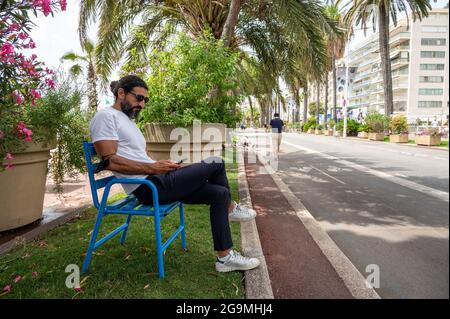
[{"x": 164, "y": 166}]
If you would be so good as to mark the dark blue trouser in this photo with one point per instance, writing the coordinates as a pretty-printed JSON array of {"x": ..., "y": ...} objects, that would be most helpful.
[{"x": 199, "y": 183}]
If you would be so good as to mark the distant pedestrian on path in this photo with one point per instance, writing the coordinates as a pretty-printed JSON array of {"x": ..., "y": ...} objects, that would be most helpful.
[{"x": 277, "y": 129}]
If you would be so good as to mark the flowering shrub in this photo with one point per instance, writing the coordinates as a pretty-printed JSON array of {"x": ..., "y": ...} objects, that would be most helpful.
[
  {"x": 398, "y": 125},
  {"x": 24, "y": 78},
  {"x": 430, "y": 132}
]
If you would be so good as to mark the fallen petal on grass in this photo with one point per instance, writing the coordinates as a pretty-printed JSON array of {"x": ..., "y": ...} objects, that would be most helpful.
[{"x": 18, "y": 278}]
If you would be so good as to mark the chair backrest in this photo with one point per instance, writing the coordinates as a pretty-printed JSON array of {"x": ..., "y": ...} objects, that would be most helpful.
[{"x": 96, "y": 184}]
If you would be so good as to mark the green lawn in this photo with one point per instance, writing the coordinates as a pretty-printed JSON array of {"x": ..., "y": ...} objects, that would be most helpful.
[{"x": 128, "y": 271}]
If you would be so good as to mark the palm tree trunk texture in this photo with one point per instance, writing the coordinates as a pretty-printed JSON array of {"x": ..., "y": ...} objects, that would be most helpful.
[
  {"x": 305, "y": 102},
  {"x": 251, "y": 110},
  {"x": 92, "y": 89},
  {"x": 317, "y": 102},
  {"x": 334, "y": 88},
  {"x": 383, "y": 27},
  {"x": 325, "y": 107},
  {"x": 230, "y": 23}
]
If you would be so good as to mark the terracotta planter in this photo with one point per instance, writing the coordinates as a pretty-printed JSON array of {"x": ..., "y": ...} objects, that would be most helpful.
[
  {"x": 428, "y": 140},
  {"x": 363, "y": 134},
  {"x": 376, "y": 136},
  {"x": 165, "y": 141},
  {"x": 328, "y": 132},
  {"x": 22, "y": 188},
  {"x": 398, "y": 138}
]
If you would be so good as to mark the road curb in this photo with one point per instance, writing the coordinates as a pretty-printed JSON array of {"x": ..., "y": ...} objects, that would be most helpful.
[
  {"x": 257, "y": 281},
  {"x": 350, "y": 275}
]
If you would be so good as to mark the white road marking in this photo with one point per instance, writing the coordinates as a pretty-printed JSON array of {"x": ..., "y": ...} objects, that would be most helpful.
[
  {"x": 444, "y": 196},
  {"x": 337, "y": 180}
]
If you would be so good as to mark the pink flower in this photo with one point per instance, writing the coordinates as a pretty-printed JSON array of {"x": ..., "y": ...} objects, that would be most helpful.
[
  {"x": 9, "y": 157},
  {"x": 7, "y": 288},
  {"x": 7, "y": 49},
  {"x": 17, "y": 97},
  {"x": 35, "y": 94},
  {"x": 23, "y": 35},
  {"x": 50, "y": 83},
  {"x": 18, "y": 278},
  {"x": 63, "y": 4},
  {"x": 33, "y": 57},
  {"x": 14, "y": 27},
  {"x": 34, "y": 274}
]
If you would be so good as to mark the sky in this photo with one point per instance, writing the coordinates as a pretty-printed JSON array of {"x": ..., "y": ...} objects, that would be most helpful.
[{"x": 55, "y": 36}]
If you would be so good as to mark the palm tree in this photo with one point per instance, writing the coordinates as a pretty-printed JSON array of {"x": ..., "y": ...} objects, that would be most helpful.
[
  {"x": 336, "y": 44},
  {"x": 89, "y": 62},
  {"x": 276, "y": 32},
  {"x": 363, "y": 11}
]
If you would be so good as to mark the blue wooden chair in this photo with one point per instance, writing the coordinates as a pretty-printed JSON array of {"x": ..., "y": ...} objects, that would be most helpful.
[{"x": 128, "y": 206}]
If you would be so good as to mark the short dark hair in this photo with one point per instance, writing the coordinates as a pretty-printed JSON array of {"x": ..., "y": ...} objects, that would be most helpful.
[
  {"x": 276, "y": 115},
  {"x": 127, "y": 83}
]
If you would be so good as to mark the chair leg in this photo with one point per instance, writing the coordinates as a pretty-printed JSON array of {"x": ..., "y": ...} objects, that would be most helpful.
[
  {"x": 183, "y": 233},
  {"x": 159, "y": 252},
  {"x": 87, "y": 259},
  {"x": 125, "y": 231}
]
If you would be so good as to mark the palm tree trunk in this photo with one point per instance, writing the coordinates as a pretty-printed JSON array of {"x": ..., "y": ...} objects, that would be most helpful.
[
  {"x": 230, "y": 23},
  {"x": 383, "y": 26},
  {"x": 333, "y": 65},
  {"x": 251, "y": 110},
  {"x": 92, "y": 89},
  {"x": 317, "y": 102},
  {"x": 325, "y": 108},
  {"x": 305, "y": 103}
]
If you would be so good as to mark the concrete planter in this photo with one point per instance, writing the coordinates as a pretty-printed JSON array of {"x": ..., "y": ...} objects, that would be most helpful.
[
  {"x": 363, "y": 134},
  {"x": 165, "y": 141},
  {"x": 398, "y": 138},
  {"x": 22, "y": 188},
  {"x": 328, "y": 132},
  {"x": 376, "y": 136},
  {"x": 428, "y": 140},
  {"x": 318, "y": 132},
  {"x": 338, "y": 134},
  {"x": 311, "y": 131}
]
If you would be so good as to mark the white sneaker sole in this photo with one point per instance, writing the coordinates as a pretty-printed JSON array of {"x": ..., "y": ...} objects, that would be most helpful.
[{"x": 241, "y": 268}]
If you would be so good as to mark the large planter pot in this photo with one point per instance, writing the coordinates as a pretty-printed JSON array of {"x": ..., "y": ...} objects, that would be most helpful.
[
  {"x": 22, "y": 187},
  {"x": 428, "y": 140},
  {"x": 376, "y": 136},
  {"x": 363, "y": 134},
  {"x": 328, "y": 132},
  {"x": 318, "y": 132},
  {"x": 398, "y": 138},
  {"x": 192, "y": 144},
  {"x": 311, "y": 131}
]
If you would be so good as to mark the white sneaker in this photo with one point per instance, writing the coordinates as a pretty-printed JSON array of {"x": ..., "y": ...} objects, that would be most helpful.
[
  {"x": 235, "y": 261},
  {"x": 242, "y": 213}
]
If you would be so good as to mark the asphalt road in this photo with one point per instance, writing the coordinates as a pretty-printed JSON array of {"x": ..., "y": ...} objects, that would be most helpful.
[{"x": 383, "y": 204}]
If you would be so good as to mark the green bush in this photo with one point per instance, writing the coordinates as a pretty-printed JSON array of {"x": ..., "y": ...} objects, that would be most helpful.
[
  {"x": 193, "y": 80},
  {"x": 352, "y": 127},
  {"x": 377, "y": 123},
  {"x": 311, "y": 123},
  {"x": 58, "y": 115},
  {"x": 398, "y": 125},
  {"x": 363, "y": 128}
]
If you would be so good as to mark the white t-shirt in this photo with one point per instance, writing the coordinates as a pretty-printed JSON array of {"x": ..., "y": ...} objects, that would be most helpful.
[{"x": 113, "y": 125}]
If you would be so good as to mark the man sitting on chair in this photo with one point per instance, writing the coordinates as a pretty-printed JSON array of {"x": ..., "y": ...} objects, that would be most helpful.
[{"x": 122, "y": 148}]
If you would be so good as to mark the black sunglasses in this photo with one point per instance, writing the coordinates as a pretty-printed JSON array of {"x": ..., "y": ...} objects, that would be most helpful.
[{"x": 139, "y": 97}]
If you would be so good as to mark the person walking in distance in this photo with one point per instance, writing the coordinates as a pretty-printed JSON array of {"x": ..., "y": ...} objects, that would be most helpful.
[{"x": 277, "y": 128}]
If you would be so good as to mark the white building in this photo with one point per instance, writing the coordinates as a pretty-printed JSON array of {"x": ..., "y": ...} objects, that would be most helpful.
[{"x": 419, "y": 61}]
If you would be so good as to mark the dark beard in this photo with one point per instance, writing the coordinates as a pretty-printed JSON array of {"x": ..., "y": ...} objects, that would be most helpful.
[{"x": 129, "y": 110}]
